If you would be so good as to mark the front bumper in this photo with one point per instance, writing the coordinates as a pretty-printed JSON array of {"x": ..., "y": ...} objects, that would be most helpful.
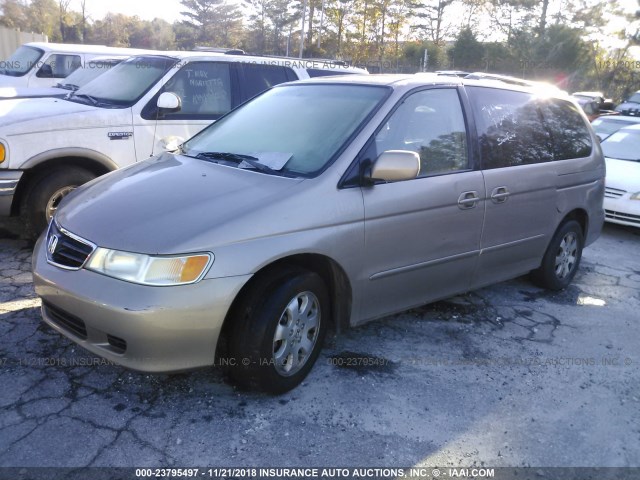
[
  {"x": 622, "y": 210},
  {"x": 162, "y": 329},
  {"x": 9, "y": 180}
]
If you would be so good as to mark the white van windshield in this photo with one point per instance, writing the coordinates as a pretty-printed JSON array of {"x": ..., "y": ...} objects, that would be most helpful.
[
  {"x": 124, "y": 84},
  {"x": 22, "y": 60},
  {"x": 87, "y": 73},
  {"x": 294, "y": 130}
]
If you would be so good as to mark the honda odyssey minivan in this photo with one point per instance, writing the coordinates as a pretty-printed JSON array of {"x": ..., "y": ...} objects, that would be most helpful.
[{"x": 320, "y": 204}]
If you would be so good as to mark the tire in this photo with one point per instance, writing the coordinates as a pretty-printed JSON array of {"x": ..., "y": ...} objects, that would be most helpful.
[
  {"x": 562, "y": 258},
  {"x": 45, "y": 194},
  {"x": 273, "y": 323}
]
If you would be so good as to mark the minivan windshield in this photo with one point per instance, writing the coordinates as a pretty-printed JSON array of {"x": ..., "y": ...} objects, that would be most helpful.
[
  {"x": 124, "y": 84},
  {"x": 623, "y": 145},
  {"x": 18, "y": 64},
  {"x": 294, "y": 129}
]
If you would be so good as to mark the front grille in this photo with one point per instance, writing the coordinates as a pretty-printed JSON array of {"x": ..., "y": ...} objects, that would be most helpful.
[
  {"x": 67, "y": 250},
  {"x": 65, "y": 320},
  {"x": 117, "y": 344},
  {"x": 613, "y": 192},
  {"x": 624, "y": 217}
]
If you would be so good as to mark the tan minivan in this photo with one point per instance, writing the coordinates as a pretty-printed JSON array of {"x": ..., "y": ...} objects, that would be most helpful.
[{"x": 322, "y": 203}]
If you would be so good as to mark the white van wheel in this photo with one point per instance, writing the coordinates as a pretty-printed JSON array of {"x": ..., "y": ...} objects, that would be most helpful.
[{"x": 46, "y": 193}]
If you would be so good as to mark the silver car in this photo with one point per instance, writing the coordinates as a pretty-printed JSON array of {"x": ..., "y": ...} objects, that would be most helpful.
[{"x": 320, "y": 204}]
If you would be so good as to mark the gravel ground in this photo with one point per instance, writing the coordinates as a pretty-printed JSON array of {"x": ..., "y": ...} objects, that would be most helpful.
[{"x": 509, "y": 375}]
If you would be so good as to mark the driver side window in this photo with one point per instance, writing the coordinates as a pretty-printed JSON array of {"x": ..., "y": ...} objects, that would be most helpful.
[
  {"x": 431, "y": 124},
  {"x": 203, "y": 87}
]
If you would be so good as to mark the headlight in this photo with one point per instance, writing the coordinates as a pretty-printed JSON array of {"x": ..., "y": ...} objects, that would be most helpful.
[
  {"x": 635, "y": 196},
  {"x": 150, "y": 270},
  {"x": 3, "y": 153}
]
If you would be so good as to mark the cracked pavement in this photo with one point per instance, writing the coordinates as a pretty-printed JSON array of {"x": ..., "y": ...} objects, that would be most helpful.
[{"x": 509, "y": 375}]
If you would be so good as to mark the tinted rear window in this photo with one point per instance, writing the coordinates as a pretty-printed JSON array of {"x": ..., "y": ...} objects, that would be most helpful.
[
  {"x": 510, "y": 128},
  {"x": 258, "y": 78},
  {"x": 324, "y": 72},
  {"x": 519, "y": 128},
  {"x": 571, "y": 137}
]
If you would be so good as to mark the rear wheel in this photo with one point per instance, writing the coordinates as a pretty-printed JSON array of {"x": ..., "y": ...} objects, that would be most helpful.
[
  {"x": 279, "y": 328},
  {"x": 562, "y": 259},
  {"x": 46, "y": 193}
]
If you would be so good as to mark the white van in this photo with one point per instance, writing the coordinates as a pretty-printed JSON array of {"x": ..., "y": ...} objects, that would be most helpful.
[
  {"x": 83, "y": 75},
  {"x": 143, "y": 106},
  {"x": 40, "y": 64}
]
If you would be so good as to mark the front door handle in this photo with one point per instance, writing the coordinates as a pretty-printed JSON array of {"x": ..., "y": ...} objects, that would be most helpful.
[
  {"x": 468, "y": 200},
  {"x": 500, "y": 195}
]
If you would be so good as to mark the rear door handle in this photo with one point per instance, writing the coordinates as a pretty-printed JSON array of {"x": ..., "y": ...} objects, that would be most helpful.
[
  {"x": 468, "y": 200},
  {"x": 500, "y": 195}
]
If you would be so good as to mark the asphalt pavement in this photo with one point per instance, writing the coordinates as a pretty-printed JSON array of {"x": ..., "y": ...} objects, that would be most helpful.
[{"x": 509, "y": 375}]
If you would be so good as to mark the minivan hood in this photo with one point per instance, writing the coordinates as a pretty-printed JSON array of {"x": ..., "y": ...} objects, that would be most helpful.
[
  {"x": 17, "y": 111},
  {"x": 171, "y": 204}
]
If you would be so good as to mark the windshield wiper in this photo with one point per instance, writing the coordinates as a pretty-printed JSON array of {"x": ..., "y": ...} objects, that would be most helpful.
[
  {"x": 238, "y": 159},
  {"x": 93, "y": 100},
  {"x": 68, "y": 86}
]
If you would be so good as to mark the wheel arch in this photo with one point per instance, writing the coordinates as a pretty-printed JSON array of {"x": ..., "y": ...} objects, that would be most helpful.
[
  {"x": 95, "y": 162},
  {"x": 579, "y": 215},
  {"x": 334, "y": 276}
]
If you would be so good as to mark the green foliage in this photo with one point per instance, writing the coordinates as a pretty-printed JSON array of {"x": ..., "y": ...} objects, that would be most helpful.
[
  {"x": 155, "y": 35},
  {"x": 467, "y": 52},
  {"x": 539, "y": 39},
  {"x": 413, "y": 56},
  {"x": 215, "y": 23}
]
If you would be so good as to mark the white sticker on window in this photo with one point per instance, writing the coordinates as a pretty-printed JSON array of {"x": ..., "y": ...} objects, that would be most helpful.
[{"x": 273, "y": 160}]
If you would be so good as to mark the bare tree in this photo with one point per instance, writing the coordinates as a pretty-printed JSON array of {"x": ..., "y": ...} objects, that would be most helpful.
[
  {"x": 85, "y": 19},
  {"x": 64, "y": 10},
  {"x": 431, "y": 18}
]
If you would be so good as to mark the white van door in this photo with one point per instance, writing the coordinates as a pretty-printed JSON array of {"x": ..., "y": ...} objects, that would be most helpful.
[
  {"x": 207, "y": 91},
  {"x": 54, "y": 67}
]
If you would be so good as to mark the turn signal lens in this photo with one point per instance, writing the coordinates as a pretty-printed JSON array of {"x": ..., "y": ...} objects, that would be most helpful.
[
  {"x": 193, "y": 268},
  {"x": 3, "y": 153}
]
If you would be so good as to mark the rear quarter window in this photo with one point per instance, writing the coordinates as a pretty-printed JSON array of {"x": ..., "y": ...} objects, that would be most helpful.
[
  {"x": 510, "y": 128},
  {"x": 323, "y": 72},
  {"x": 256, "y": 78},
  {"x": 570, "y": 134}
]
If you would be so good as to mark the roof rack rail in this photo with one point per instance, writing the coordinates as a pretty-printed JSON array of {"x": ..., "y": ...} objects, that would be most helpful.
[
  {"x": 226, "y": 51},
  {"x": 507, "y": 79},
  {"x": 341, "y": 63}
]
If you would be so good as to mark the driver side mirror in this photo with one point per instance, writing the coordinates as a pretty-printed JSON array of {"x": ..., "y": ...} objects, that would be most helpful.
[
  {"x": 393, "y": 166},
  {"x": 169, "y": 102}
]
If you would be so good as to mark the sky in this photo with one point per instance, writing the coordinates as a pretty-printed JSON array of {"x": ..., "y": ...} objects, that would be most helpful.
[{"x": 168, "y": 10}]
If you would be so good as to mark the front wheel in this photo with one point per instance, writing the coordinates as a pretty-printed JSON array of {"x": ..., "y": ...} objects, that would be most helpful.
[
  {"x": 278, "y": 332},
  {"x": 46, "y": 193},
  {"x": 562, "y": 259}
]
